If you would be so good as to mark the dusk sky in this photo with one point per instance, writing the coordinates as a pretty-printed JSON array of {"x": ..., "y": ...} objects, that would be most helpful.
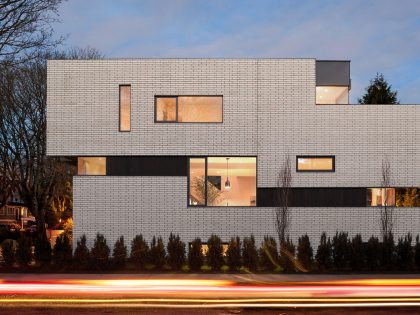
[{"x": 377, "y": 36}]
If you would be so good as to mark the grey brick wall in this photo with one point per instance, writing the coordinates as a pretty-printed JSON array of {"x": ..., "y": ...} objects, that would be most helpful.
[
  {"x": 157, "y": 206},
  {"x": 269, "y": 110}
]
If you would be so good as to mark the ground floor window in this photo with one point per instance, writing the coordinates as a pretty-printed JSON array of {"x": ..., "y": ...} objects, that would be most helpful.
[
  {"x": 91, "y": 166},
  {"x": 222, "y": 181},
  {"x": 381, "y": 197}
]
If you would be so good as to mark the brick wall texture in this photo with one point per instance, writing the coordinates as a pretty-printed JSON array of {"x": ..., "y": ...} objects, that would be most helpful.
[{"x": 268, "y": 110}]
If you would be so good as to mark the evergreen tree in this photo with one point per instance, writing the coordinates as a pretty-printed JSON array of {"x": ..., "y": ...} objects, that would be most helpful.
[
  {"x": 195, "y": 255},
  {"x": 215, "y": 253},
  {"x": 379, "y": 92},
  {"x": 269, "y": 256},
  {"x": 81, "y": 257},
  {"x": 100, "y": 253},
  {"x": 24, "y": 251},
  {"x": 62, "y": 252},
  {"x": 176, "y": 252},
  {"x": 233, "y": 254},
  {"x": 305, "y": 252},
  {"x": 119, "y": 254},
  {"x": 157, "y": 254},
  {"x": 250, "y": 253},
  {"x": 139, "y": 251}
]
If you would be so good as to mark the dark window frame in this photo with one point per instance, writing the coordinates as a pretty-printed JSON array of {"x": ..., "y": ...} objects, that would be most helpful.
[
  {"x": 316, "y": 157},
  {"x": 177, "y": 109},
  {"x": 205, "y": 157},
  {"x": 119, "y": 108}
]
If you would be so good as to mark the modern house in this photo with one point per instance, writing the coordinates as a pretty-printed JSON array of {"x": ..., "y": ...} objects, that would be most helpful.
[{"x": 196, "y": 146}]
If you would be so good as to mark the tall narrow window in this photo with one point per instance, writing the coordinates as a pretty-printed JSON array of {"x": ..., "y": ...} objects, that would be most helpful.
[
  {"x": 125, "y": 107},
  {"x": 197, "y": 183},
  {"x": 189, "y": 109},
  {"x": 91, "y": 166},
  {"x": 315, "y": 164}
]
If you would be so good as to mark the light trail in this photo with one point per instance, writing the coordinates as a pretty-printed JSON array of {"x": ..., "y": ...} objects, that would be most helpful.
[{"x": 190, "y": 293}]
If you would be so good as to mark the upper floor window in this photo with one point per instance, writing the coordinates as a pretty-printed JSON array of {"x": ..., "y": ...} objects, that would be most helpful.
[
  {"x": 125, "y": 107},
  {"x": 187, "y": 109},
  {"x": 315, "y": 164},
  {"x": 91, "y": 166},
  {"x": 332, "y": 95}
]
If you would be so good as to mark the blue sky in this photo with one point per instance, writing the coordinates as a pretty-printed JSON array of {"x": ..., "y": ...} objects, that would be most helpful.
[{"x": 377, "y": 36}]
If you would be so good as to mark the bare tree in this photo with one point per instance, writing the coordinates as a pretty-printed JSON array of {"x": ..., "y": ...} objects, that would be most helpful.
[
  {"x": 40, "y": 180},
  {"x": 387, "y": 208},
  {"x": 25, "y": 28},
  {"x": 284, "y": 182}
]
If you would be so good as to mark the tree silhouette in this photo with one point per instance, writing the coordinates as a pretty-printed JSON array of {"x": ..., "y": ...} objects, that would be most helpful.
[{"x": 379, "y": 92}]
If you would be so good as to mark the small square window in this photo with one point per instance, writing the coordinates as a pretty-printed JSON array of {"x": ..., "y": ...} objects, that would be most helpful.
[{"x": 166, "y": 109}]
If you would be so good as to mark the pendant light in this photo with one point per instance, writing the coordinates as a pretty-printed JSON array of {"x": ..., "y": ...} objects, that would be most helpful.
[{"x": 227, "y": 182}]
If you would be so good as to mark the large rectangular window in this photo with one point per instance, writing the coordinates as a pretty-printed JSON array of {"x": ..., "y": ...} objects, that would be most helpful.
[
  {"x": 189, "y": 109},
  {"x": 381, "y": 197},
  {"x": 125, "y": 107},
  {"x": 315, "y": 164},
  {"x": 332, "y": 95},
  {"x": 223, "y": 181},
  {"x": 91, "y": 166}
]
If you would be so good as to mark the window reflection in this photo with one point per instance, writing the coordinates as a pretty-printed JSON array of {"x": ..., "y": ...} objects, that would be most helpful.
[
  {"x": 125, "y": 107},
  {"x": 332, "y": 95},
  {"x": 197, "y": 183},
  {"x": 320, "y": 164},
  {"x": 381, "y": 197},
  {"x": 166, "y": 108}
]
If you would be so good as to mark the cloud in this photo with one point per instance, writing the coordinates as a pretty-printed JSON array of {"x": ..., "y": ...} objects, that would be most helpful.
[{"x": 378, "y": 36}]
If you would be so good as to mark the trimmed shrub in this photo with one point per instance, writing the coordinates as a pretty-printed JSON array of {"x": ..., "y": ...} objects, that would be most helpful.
[
  {"x": 215, "y": 252},
  {"x": 287, "y": 255},
  {"x": 324, "y": 253},
  {"x": 119, "y": 254},
  {"x": 81, "y": 257},
  {"x": 305, "y": 252},
  {"x": 42, "y": 251},
  {"x": 269, "y": 256},
  {"x": 139, "y": 251},
  {"x": 250, "y": 253},
  {"x": 340, "y": 250},
  {"x": 157, "y": 253},
  {"x": 405, "y": 252},
  {"x": 8, "y": 251},
  {"x": 176, "y": 252},
  {"x": 373, "y": 253},
  {"x": 24, "y": 251},
  {"x": 100, "y": 253},
  {"x": 233, "y": 254},
  {"x": 195, "y": 255},
  {"x": 357, "y": 259},
  {"x": 62, "y": 252},
  {"x": 417, "y": 252},
  {"x": 389, "y": 255}
]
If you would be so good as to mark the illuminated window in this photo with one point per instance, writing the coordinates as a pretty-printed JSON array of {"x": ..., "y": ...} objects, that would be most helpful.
[
  {"x": 197, "y": 196},
  {"x": 381, "y": 197},
  {"x": 315, "y": 164},
  {"x": 223, "y": 181},
  {"x": 205, "y": 248},
  {"x": 200, "y": 109},
  {"x": 125, "y": 107},
  {"x": 91, "y": 166},
  {"x": 166, "y": 109},
  {"x": 332, "y": 95}
]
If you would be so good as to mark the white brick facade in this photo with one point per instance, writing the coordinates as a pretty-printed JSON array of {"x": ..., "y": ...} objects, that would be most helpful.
[{"x": 268, "y": 111}]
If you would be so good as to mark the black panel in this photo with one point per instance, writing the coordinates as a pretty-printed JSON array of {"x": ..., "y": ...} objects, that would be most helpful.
[
  {"x": 332, "y": 73},
  {"x": 146, "y": 166},
  {"x": 314, "y": 197}
]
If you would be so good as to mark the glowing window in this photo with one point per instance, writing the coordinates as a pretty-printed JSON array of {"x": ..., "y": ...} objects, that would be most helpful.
[
  {"x": 315, "y": 164},
  {"x": 125, "y": 107},
  {"x": 91, "y": 166},
  {"x": 189, "y": 109},
  {"x": 223, "y": 181},
  {"x": 166, "y": 108},
  {"x": 381, "y": 197},
  {"x": 332, "y": 95}
]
